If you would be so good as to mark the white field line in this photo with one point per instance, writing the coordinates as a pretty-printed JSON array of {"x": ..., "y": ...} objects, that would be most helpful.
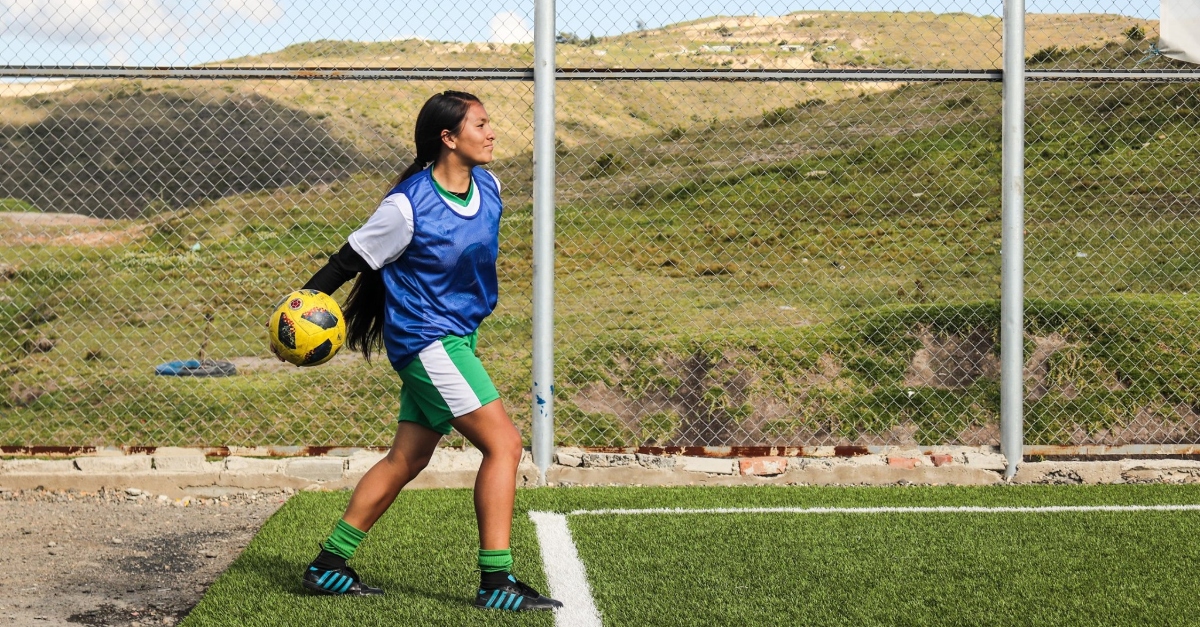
[
  {"x": 966, "y": 509},
  {"x": 564, "y": 572},
  {"x": 568, "y": 577}
]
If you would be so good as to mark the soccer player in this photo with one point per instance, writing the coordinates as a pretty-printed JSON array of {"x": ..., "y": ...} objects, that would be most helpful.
[{"x": 426, "y": 266}]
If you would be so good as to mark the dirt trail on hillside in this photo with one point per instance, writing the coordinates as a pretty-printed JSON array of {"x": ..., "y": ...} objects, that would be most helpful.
[
  {"x": 117, "y": 559},
  {"x": 36, "y": 218},
  {"x": 65, "y": 229},
  {"x": 23, "y": 90}
]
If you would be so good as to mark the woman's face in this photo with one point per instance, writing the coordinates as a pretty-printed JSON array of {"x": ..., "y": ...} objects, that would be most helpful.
[{"x": 473, "y": 143}]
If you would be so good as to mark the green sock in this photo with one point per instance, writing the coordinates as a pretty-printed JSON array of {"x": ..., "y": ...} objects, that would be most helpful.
[
  {"x": 344, "y": 540},
  {"x": 495, "y": 560}
]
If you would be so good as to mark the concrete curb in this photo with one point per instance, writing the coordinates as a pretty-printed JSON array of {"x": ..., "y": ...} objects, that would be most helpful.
[{"x": 178, "y": 472}]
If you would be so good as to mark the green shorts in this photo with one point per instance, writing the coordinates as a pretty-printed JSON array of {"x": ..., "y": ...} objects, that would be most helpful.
[{"x": 445, "y": 381}]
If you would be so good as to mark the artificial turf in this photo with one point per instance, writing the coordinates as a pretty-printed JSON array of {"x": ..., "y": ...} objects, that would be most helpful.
[{"x": 1111, "y": 568}]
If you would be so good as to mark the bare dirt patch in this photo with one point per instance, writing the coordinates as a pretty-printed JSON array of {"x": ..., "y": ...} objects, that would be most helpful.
[
  {"x": 112, "y": 558},
  {"x": 711, "y": 396},
  {"x": 97, "y": 239},
  {"x": 953, "y": 362},
  {"x": 1037, "y": 367},
  {"x": 721, "y": 400},
  {"x": 1163, "y": 423},
  {"x": 255, "y": 365}
]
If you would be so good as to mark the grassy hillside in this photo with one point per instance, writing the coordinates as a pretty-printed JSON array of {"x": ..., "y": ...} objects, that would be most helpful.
[
  {"x": 799, "y": 40},
  {"x": 207, "y": 139},
  {"x": 134, "y": 153},
  {"x": 176, "y": 145},
  {"x": 821, "y": 273},
  {"x": 737, "y": 263}
]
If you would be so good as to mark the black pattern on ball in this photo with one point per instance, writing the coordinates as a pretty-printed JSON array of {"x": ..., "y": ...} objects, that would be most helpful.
[
  {"x": 318, "y": 353},
  {"x": 321, "y": 317},
  {"x": 287, "y": 331}
]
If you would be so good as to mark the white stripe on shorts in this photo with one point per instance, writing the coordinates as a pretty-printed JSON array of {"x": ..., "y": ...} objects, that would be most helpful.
[{"x": 450, "y": 383}]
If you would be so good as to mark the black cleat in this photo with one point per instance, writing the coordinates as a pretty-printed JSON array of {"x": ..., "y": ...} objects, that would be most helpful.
[
  {"x": 337, "y": 581},
  {"x": 513, "y": 596}
]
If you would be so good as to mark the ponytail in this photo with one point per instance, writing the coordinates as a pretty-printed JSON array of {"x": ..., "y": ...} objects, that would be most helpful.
[
  {"x": 364, "y": 312},
  {"x": 417, "y": 166},
  {"x": 366, "y": 306}
]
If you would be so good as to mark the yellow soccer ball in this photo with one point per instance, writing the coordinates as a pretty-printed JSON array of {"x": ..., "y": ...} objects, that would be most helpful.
[{"x": 307, "y": 328}]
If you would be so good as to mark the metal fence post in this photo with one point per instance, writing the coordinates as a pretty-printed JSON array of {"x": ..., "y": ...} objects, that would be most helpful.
[
  {"x": 1012, "y": 338},
  {"x": 543, "y": 235}
]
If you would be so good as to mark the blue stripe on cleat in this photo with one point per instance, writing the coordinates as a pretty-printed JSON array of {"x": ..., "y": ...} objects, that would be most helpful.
[
  {"x": 346, "y": 586},
  {"x": 511, "y": 600},
  {"x": 321, "y": 581},
  {"x": 519, "y": 599},
  {"x": 493, "y": 598}
]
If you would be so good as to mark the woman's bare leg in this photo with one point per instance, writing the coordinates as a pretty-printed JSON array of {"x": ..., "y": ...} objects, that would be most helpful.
[
  {"x": 491, "y": 431},
  {"x": 410, "y": 452}
]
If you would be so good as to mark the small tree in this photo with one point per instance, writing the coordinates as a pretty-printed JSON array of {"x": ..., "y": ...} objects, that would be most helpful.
[{"x": 1135, "y": 33}]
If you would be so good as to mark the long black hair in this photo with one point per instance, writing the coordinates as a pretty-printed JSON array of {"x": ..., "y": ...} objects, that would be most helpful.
[{"x": 365, "y": 306}]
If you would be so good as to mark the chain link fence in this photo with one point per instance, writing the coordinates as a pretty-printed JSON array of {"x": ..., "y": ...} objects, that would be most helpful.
[
  {"x": 1111, "y": 267},
  {"x": 745, "y": 262},
  {"x": 149, "y": 220}
]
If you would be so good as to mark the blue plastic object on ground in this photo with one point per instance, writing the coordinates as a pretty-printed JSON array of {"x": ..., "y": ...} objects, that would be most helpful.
[{"x": 196, "y": 368}]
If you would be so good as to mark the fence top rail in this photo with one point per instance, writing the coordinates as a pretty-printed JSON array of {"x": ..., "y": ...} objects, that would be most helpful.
[
  {"x": 523, "y": 74},
  {"x": 276, "y": 72},
  {"x": 581, "y": 74},
  {"x": 1113, "y": 75}
]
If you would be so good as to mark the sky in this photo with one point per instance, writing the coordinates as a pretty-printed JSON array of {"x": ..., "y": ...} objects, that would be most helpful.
[{"x": 184, "y": 32}]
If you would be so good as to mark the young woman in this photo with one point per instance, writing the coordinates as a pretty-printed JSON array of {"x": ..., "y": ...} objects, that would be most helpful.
[{"x": 426, "y": 266}]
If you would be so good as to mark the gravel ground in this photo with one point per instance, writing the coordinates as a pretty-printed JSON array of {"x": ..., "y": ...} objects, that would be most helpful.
[{"x": 117, "y": 558}]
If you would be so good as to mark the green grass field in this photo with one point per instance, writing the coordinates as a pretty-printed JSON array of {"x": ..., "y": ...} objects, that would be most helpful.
[{"x": 1076, "y": 568}]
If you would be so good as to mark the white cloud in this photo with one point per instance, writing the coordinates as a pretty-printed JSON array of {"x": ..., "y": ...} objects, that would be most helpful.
[
  {"x": 509, "y": 28},
  {"x": 85, "y": 21},
  {"x": 105, "y": 21}
]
